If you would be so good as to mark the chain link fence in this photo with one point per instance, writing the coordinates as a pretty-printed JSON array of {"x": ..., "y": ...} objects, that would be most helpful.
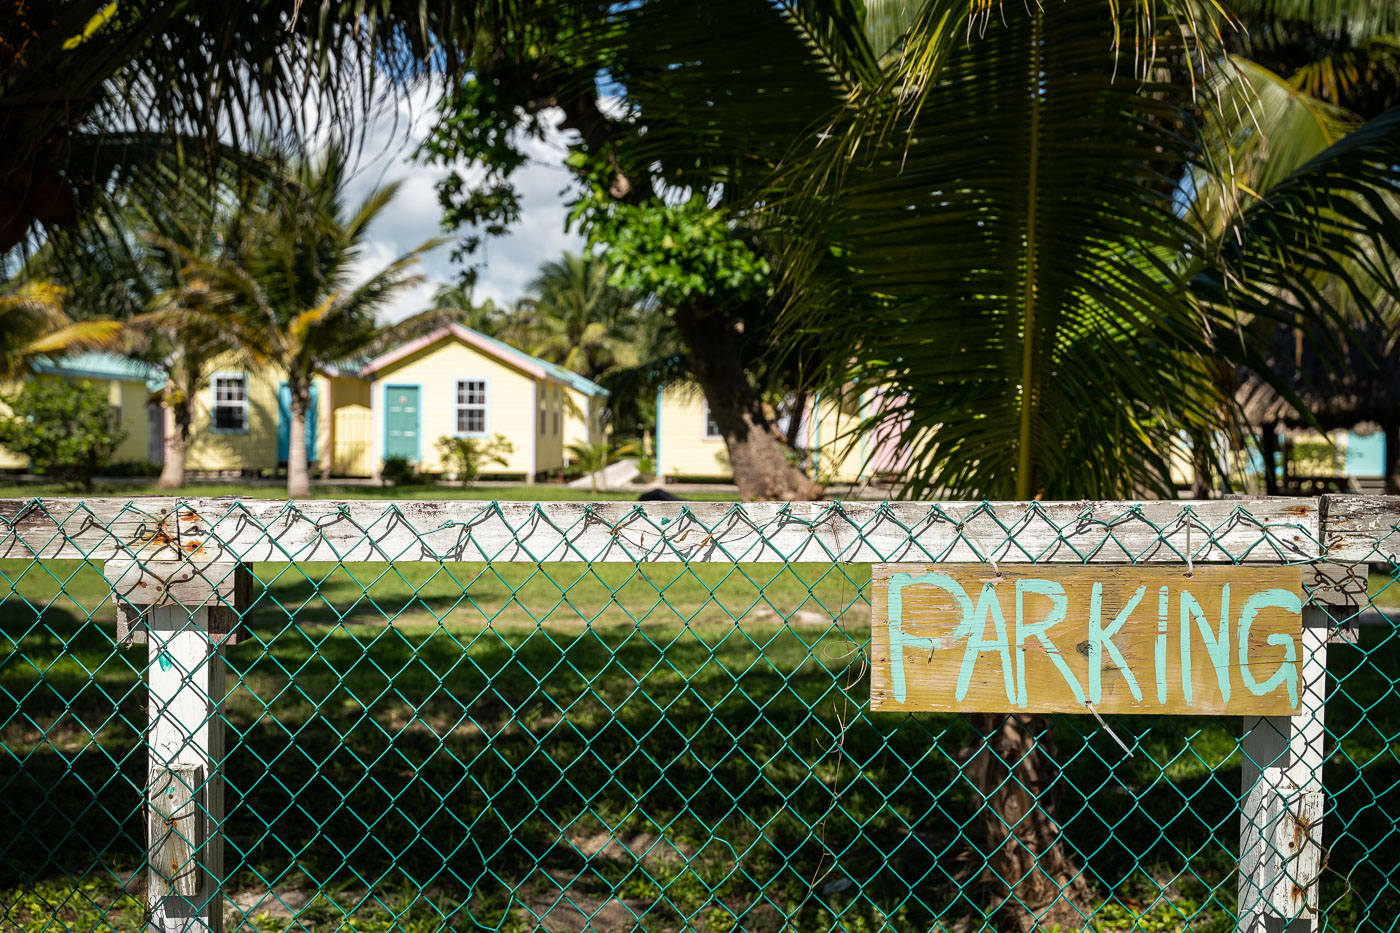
[{"x": 251, "y": 715}]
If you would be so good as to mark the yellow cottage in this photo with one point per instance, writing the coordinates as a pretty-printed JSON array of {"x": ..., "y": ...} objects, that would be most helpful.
[
  {"x": 456, "y": 382},
  {"x": 129, "y": 384},
  {"x": 242, "y": 420},
  {"x": 690, "y": 446}
]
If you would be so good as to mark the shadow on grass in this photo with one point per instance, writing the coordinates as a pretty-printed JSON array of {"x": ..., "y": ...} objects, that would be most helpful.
[{"x": 651, "y": 774}]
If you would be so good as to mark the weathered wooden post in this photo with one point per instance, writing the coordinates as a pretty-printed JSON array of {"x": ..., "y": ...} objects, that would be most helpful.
[
  {"x": 185, "y": 612},
  {"x": 1282, "y": 801},
  {"x": 1282, "y": 798}
]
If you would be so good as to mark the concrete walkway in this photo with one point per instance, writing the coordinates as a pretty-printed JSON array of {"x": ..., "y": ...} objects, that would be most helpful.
[{"x": 614, "y": 476}]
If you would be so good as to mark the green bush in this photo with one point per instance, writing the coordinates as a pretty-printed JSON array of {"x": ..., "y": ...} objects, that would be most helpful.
[
  {"x": 68, "y": 430},
  {"x": 398, "y": 471},
  {"x": 465, "y": 456}
]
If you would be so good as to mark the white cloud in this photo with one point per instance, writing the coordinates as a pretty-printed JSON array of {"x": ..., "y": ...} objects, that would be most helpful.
[{"x": 389, "y": 138}]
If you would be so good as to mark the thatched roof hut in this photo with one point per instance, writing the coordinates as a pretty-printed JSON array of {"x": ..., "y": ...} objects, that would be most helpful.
[
  {"x": 1348, "y": 381},
  {"x": 1344, "y": 383}
]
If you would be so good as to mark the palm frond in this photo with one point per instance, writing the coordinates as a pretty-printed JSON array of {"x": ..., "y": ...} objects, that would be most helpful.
[
  {"x": 1256, "y": 129},
  {"x": 1321, "y": 244},
  {"x": 78, "y": 337},
  {"x": 1009, "y": 254},
  {"x": 1356, "y": 19}
]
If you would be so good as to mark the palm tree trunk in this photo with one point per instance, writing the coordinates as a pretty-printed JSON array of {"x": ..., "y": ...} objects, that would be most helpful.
[
  {"x": 298, "y": 473},
  {"x": 180, "y": 418},
  {"x": 1033, "y": 878},
  {"x": 757, "y": 456},
  {"x": 1201, "y": 469},
  {"x": 1268, "y": 447}
]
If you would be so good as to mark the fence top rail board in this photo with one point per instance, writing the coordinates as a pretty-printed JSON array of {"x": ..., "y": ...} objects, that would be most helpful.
[
  {"x": 231, "y": 529},
  {"x": 1361, "y": 528}
]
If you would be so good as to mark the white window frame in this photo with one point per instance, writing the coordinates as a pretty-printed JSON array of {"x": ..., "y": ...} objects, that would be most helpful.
[
  {"x": 458, "y": 406},
  {"x": 706, "y": 420},
  {"x": 215, "y": 403}
]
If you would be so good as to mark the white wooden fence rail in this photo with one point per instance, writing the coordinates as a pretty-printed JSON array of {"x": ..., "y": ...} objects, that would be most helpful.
[{"x": 169, "y": 555}]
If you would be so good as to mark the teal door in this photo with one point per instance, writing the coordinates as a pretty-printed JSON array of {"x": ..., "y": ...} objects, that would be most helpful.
[
  {"x": 284, "y": 423},
  {"x": 401, "y": 422}
]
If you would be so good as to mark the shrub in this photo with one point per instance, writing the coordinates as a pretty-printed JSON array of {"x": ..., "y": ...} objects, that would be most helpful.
[
  {"x": 68, "y": 430},
  {"x": 398, "y": 471},
  {"x": 465, "y": 456}
]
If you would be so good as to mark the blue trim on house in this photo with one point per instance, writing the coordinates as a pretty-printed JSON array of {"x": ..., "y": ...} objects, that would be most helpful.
[
  {"x": 247, "y": 402},
  {"x": 284, "y": 423},
  {"x": 418, "y": 434}
]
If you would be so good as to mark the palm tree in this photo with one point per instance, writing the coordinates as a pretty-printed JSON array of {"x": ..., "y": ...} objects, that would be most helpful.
[
  {"x": 290, "y": 281},
  {"x": 1050, "y": 251},
  {"x": 34, "y": 325},
  {"x": 574, "y": 316},
  {"x": 186, "y": 326},
  {"x": 95, "y": 94},
  {"x": 455, "y": 302},
  {"x": 593, "y": 457},
  {"x": 1046, "y": 260}
]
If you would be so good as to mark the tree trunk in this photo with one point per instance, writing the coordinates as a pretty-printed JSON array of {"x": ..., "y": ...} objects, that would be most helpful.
[
  {"x": 1033, "y": 878},
  {"x": 180, "y": 406},
  {"x": 1392, "y": 457},
  {"x": 1201, "y": 470},
  {"x": 1268, "y": 446},
  {"x": 797, "y": 419},
  {"x": 298, "y": 474},
  {"x": 757, "y": 454},
  {"x": 1286, "y": 481}
]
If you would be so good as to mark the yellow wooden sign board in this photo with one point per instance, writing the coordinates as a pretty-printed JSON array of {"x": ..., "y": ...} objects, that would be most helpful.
[{"x": 1222, "y": 640}]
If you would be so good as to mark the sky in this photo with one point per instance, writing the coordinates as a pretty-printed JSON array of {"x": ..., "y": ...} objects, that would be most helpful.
[{"x": 390, "y": 135}]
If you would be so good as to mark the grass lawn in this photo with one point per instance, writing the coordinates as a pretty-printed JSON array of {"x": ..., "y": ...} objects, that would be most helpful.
[
  {"x": 544, "y": 492},
  {"x": 418, "y": 746}
]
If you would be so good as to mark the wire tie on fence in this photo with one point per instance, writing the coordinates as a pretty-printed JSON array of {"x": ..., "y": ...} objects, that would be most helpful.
[
  {"x": 1109, "y": 729},
  {"x": 1190, "y": 571}
]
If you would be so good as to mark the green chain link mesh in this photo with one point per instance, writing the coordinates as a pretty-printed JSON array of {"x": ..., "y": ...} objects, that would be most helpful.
[{"x": 426, "y": 744}]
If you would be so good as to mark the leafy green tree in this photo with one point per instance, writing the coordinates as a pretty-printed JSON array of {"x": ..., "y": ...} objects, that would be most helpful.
[
  {"x": 67, "y": 429},
  {"x": 712, "y": 270}
]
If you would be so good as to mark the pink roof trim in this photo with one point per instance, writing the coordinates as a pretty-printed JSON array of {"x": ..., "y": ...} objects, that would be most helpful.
[{"x": 467, "y": 336}]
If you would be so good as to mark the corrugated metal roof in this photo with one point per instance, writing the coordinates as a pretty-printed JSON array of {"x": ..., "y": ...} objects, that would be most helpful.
[{"x": 98, "y": 365}]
